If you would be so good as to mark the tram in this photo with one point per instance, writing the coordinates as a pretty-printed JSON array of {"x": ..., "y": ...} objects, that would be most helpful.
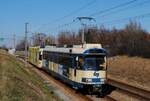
[{"x": 81, "y": 66}]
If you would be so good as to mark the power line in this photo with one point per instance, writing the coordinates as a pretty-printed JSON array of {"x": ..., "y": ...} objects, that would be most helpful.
[
  {"x": 84, "y": 26},
  {"x": 128, "y": 18},
  {"x": 72, "y": 22},
  {"x": 126, "y": 8},
  {"x": 63, "y": 25},
  {"x": 70, "y": 14},
  {"x": 112, "y": 8}
]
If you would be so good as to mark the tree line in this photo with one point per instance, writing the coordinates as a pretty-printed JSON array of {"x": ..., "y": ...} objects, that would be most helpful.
[{"x": 131, "y": 40}]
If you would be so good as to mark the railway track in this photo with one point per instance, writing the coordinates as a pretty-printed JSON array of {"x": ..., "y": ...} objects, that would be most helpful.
[
  {"x": 70, "y": 92},
  {"x": 76, "y": 96},
  {"x": 130, "y": 90}
]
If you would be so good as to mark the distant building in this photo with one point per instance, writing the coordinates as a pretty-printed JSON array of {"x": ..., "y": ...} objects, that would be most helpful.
[{"x": 12, "y": 51}]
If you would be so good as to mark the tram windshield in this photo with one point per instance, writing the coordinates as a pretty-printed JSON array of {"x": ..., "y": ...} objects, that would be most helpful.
[{"x": 94, "y": 62}]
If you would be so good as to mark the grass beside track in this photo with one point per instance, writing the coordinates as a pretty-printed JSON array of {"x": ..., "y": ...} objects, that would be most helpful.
[
  {"x": 132, "y": 70},
  {"x": 18, "y": 83}
]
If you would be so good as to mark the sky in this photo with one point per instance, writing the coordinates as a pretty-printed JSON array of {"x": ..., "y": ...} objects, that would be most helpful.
[{"x": 49, "y": 16}]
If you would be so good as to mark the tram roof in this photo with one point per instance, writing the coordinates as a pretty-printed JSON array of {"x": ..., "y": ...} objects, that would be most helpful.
[{"x": 76, "y": 49}]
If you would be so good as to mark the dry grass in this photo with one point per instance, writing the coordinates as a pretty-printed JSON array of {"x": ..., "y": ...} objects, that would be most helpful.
[
  {"x": 133, "y": 70},
  {"x": 18, "y": 83}
]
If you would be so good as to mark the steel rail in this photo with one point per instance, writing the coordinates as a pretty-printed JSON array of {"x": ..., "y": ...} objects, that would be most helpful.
[{"x": 145, "y": 94}]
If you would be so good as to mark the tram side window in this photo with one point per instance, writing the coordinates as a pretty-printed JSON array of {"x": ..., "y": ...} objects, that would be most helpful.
[
  {"x": 65, "y": 60},
  {"x": 55, "y": 57},
  {"x": 62, "y": 59},
  {"x": 68, "y": 61},
  {"x": 50, "y": 56},
  {"x": 45, "y": 55}
]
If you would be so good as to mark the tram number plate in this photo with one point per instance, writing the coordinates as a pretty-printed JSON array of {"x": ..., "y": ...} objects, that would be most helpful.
[{"x": 96, "y": 74}]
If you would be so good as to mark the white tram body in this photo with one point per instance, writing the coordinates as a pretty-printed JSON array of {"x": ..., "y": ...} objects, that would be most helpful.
[{"x": 82, "y": 66}]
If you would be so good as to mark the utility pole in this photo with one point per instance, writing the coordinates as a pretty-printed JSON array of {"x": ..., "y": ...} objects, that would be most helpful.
[
  {"x": 26, "y": 42},
  {"x": 83, "y": 25},
  {"x": 14, "y": 38},
  {"x": 33, "y": 40}
]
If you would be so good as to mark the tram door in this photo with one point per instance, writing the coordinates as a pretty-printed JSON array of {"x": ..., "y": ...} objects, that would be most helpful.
[
  {"x": 65, "y": 62},
  {"x": 66, "y": 71}
]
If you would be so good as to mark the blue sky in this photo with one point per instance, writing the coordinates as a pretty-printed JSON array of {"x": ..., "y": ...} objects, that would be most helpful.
[{"x": 41, "y": 15}]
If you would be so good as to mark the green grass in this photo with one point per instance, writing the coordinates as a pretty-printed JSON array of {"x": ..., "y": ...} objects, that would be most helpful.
[
  {"x": 20, "y": 53},
  {"x": 18, "y": 83}
]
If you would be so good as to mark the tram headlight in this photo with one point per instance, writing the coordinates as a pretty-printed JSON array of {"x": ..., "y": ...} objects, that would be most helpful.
[
  {"x": 102, "y": 79},
  {"x": 88, "y": 80},
  {"x": 94, "y": 80}
]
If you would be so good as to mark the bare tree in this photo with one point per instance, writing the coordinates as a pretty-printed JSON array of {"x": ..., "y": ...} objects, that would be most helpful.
[
  {"x": 66, "y": 37},
  {"x": 21, "y": 45},
  {"x": 39, "y": 39},
  {"x": 50, "y": 40}
]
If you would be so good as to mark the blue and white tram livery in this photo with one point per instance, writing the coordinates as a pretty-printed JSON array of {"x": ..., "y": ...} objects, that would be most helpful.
[{"x": 82, "y": 66}]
